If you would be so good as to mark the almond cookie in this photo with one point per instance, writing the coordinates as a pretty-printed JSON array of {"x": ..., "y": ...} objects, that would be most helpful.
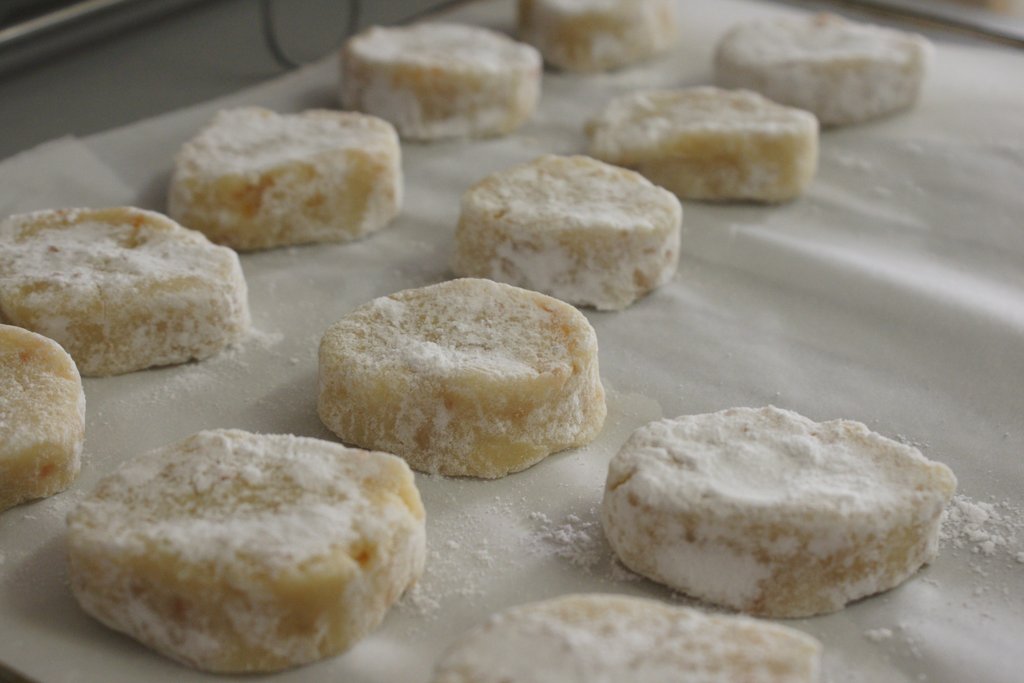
[
  {"x": 842, "y": 71},
  {"x": 235, "y": 552},
  {"x": 712, "y": 144},
  {"x": 42, "y": 417},
  {"x": 588, "y": 638},
  {"x": 121, "y": 289},
  {"x": 254, "y": 179},
  {"x": 598, "y": 35},
  {"x": 578, "y": 229},
  {"x": 766, "y": 512},
  {"x": 464, "y": 378},
  {"x": 436, "y": 80}
]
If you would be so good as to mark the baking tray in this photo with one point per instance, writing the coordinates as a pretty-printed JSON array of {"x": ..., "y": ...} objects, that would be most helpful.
[{"x": 892, "y": 293}]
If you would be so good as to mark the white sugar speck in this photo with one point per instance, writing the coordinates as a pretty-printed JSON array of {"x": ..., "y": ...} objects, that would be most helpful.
[
  {"x": 577, "y": 540},
  {"x": 878, "y": 635}
]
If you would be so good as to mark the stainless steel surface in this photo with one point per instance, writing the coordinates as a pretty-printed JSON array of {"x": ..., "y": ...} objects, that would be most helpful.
[
  {"x": 203, "y": 50},
  {"x": 1001, "y": 20},
  {"x": 267, "y": 19},
  {"x": 9, "y": 675},
  {"x": 73, "y": 24},
  {"x": 60, "y": 17}
]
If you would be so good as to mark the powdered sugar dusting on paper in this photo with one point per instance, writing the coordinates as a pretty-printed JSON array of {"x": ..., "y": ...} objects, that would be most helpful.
[
  {"x": 898, "y": 640},
  {"x": 985, "y": 529},
  {"x": 579, "y": 541},
  {"x": 193, "y": 378},
  {"x": 459, "y": 567},
  {"x": 878, "y": 635},
  {"x": 502, "y": 534}
]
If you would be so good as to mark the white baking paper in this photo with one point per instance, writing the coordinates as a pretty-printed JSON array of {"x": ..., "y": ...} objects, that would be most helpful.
[{"x": 892, "y": 293}]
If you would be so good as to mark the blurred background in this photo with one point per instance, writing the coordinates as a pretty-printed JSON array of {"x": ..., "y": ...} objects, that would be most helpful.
[{"x": 81, "y": 66}]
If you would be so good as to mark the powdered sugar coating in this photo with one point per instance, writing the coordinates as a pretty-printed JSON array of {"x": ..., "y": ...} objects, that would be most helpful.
[
  {"x": 578, "y": 229},
  {"x": 845, "y": 72},
  {"x": 465, "y": 378},
  {"x": 457, "y": 46},
  {"x": 597, "y": 35},
  {"x": 254, "y": 179},
  {"x": 708, "y": 143},
  {"x": 610, "y": 638},
  {"x": 121, "y": 289},
  {"x": 42, "y": 417},
  {"x": 232, "y": 551},
  {"x": 765, "y": 511},
  {"x": 437, "y": 80}
]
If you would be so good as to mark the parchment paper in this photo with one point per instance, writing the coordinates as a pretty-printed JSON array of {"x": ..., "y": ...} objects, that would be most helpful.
[{"x": 892, "y": 293}]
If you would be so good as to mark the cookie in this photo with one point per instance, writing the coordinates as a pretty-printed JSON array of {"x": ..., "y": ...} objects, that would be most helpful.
[
  {"x": 576, "y": 228},
  {"x": 587, "y": 638},
  {"x": 255, "y": 179},
  {"x": 598, "y": 35},
  {"x": 464, "y": 378},
  {"x": 234, "y": 552},
  {"x": 436, "y": 80},
  {"x": 766, "y": 512},
  {"x": 843, "y": 71},
  {"x": 710, "y": 144},
  {"x": 42, "y": 417},
  {"x": 121, "y": 289}
]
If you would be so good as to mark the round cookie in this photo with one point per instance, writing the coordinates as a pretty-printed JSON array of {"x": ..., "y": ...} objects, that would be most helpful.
[
  {"x": 842, "y": 71},
  {"x": 235, "y": 552},
  {"x": 766, "y": 512},
  {"x": 121, "y": 289},
  {"x": 437, "y": 80},
  {"x": 42, "y": 417},
  {"x": 592, "y": 638},
  {"x": 598, "y": 35},
  {"x": 710, "y": 144},
  {"x": 576, "y": 228},
  {"x": 464, "y": 378},
  {"x": 255, "y": 179}
]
